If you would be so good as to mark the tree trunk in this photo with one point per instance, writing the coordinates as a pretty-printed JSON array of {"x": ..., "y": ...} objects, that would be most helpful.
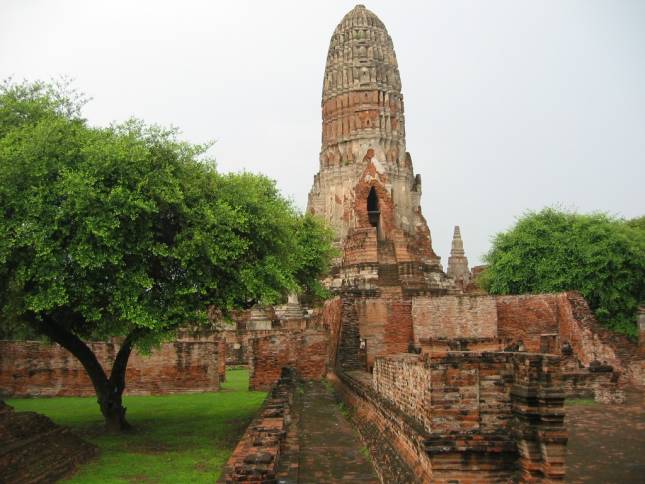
[
  {"x": 109, "y": 392},
  {"x": 113, "y": 410},
  {"x": 111, "y": 401}
]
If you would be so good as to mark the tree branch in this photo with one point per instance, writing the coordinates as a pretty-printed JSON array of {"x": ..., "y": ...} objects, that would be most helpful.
[{"x": 117, "y": 376}]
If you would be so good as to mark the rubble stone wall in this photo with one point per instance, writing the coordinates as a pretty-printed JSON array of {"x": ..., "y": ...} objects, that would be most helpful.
[{"x": 33, "y": 368}]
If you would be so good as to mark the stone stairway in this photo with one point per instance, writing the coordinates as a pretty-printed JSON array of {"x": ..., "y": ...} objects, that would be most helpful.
[
  {"x": 388, "y": 272},
  {"x": 349, "y": 345}
]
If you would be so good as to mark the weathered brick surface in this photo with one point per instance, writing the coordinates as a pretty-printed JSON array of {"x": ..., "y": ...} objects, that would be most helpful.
[
  {"x": 31, "y": 368},
  {"x": 331, "y": 320},
  {"x": 257, "y": 454},
  {"x": 34, "y": 449},
  {"x": 397, "y": 448},
  {"x": 384, "y": 324},
  {"x": 404, "y": 381},
  {"x": 524, "y": 318},
  {"x": 601, "y": 386},
  {"x": 481, "y": 416},
  {"x": 454, "y": 317},
  {"x": 566, "y": 316},
  {"x": 305, "y": 351}
]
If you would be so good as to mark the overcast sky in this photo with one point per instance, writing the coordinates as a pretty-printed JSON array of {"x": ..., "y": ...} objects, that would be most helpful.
[{"x": 510, "y": 105}]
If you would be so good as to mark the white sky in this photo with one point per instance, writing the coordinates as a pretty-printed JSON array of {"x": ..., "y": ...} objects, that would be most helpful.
[{"x": 510, "y": 105}]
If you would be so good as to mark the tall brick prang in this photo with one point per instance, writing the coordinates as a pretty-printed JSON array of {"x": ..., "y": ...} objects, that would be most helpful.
[{"x": 366, "y": 188}]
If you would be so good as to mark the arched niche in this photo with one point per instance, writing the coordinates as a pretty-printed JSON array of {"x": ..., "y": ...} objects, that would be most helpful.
[{"x": 373, "y": 211}]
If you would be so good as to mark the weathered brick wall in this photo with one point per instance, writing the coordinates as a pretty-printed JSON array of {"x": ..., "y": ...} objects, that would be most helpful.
[
  {"x": 213, "y": 336},
  {"x": 601, "y": 386},
  {"x": 405, "y": 381},
  {"x": 360, "y": 247},
  {"x": 31, "y": 368},
  {"x": 305, "y": 351},
  {"x": 454, "y": 317},
  {"x": 526, "y": 317},
  {"x": 385, "y": 324},
  {"x": 239, "y": 343},
  {"x": 568, "y": 317},
  {"x": 331, "y": 320},
  {"x": 397, "y": 445},
  {"x": 398, "y": 327},
  {"x": 464, "y": 417},
  {"x": 372, "y": 316},
  {"x": 462, "y": 392},
  {"x": 442, "y": 347},
  {"x": 256, "y": 456},
  {"x": 590, "y": 340}
]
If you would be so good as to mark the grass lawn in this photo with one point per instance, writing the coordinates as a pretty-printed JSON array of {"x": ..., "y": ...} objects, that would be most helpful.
[
  {"x": 177, "y": 438},
  {"x": 578, "y": 402}
]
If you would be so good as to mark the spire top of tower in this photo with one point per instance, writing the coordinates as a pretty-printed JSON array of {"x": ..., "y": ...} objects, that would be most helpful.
[{"x": 457, "y": 243}]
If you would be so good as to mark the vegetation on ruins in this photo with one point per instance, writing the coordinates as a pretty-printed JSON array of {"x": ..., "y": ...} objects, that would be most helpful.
[
  {"x": 126, "y": 231},
  {"x": 552, "y": 250},
  {"x": 179, "y": 438}
]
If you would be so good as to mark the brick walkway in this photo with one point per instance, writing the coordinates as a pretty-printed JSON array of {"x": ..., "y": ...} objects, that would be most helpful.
[
  {"x": 607, "y": 442},
  {"x": 322, "y": 446}
]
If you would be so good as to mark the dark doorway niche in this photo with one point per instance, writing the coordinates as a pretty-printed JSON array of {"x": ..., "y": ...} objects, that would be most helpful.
[{"x": 373, "y": 211}]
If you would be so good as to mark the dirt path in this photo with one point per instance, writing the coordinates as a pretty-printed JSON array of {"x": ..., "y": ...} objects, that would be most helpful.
[{"x": 607, "y": 442}]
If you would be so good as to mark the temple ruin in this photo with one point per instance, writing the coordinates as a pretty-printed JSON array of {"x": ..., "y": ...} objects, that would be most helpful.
[{"x": 443, "y": 382}]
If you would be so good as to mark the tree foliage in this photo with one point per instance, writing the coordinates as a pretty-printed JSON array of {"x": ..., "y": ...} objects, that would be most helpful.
[
  {"x": 552, "y": 250},
  {"x": 128, "y": 231}
]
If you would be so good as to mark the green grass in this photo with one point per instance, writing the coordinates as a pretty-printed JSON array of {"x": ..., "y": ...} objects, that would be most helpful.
[
  {"x": 177, "y": 438},
  {"x": 580, "y": 402}
]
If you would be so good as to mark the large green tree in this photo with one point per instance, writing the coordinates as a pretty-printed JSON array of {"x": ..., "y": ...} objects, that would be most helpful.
[
  {"x": 127, "y": 231},
  {"x": 552, "y": 250}
]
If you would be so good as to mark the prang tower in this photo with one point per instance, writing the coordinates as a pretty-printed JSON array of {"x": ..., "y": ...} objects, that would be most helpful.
[{"x": 366, "y": 188}]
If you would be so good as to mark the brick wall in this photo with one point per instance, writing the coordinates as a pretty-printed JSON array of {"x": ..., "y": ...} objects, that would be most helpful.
[
  {"x": 360, "y": 247},
  {"x": 331, "y": 320},
  {"x": 305, "y": 351},
  {"x": 466, "y": 417},
  {"x": 601, "y": 386},
  {"x": 385, "y": 324},
  {"x": 212, "y": 336},
  {"x": 567, "y": 316},
  {"x": 404, "y": 381},
  {"x": 590, "y": 341},
  {"x": 454, "y": 317},
  {"x": 462, "y": 392},
  {"x": 526, "y": 317},
  {"x": 397, "y": 448},
  {"x": 31, "y": 368},
  {"x": 257, "y": 454}
]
